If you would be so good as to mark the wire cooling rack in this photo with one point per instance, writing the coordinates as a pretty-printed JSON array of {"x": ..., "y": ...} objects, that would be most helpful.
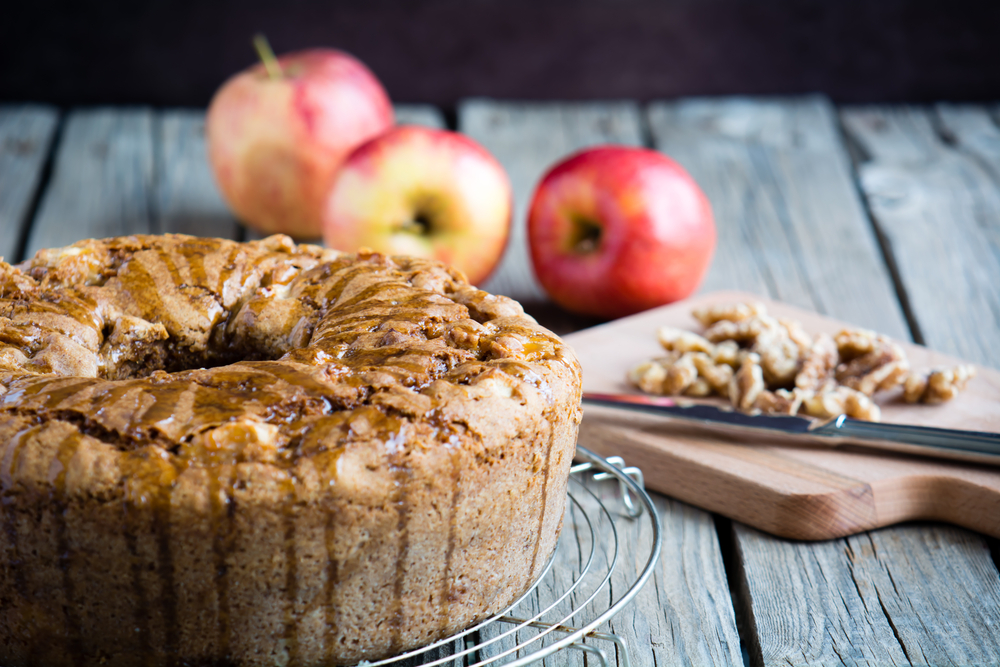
[{"x": 574, "y": 594}]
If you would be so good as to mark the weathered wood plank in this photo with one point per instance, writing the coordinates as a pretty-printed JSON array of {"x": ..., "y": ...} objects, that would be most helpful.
[
  {"x": 528, "y": 139},
  {"x": 917, "y": 594},
  {"x": 685, "y": 615},
  {"x": 973, "y": 130},
  {"x": 187, "y": 199},
  {"x": 406, "y": 114},
  {"x": 791, "y": 226},
  {"x": 937, "y": 204},
  {"x": 976, "y": 133},
  {"x": 26, "y": 134},
  {"x": 102, "y": 179},
  {"x": 790, "y": 222}
]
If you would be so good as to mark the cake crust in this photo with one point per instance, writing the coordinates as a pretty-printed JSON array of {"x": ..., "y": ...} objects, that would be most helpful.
[{"x": 267, "y": 453}]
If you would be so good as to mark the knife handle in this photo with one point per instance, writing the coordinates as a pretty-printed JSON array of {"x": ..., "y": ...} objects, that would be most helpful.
[{"x": 978, "y": 447}]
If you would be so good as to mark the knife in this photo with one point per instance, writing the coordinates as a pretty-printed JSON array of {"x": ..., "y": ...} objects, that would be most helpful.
[{"x": 968, "y": 446}]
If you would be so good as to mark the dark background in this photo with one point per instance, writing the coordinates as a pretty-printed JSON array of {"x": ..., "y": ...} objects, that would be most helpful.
[{"x": 438, "y": 51}]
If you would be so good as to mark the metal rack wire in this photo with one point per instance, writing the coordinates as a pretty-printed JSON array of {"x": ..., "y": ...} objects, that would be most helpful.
[{"x": 577, "y": 599}]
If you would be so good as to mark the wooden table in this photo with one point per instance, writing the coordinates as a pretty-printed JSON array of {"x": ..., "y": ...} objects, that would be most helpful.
[{"x": 885, "y": 217}]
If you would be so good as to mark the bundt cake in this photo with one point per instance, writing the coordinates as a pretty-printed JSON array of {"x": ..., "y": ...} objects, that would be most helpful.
[{"x": 221, "y": 453}]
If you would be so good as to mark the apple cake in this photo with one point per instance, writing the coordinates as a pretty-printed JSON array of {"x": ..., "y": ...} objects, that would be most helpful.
[{"x": 267, "y": 453}]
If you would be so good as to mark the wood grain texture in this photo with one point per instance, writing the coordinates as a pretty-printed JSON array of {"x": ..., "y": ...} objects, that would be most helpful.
[
  {"x": 936, "y": 201},
  {"x": 791, "y": 224},
  {"x": 684, "y": 616},
  {"x": 102, "y": 179},
  {"x": 26, "y": 134},
  {"x": 973, "y": 130},
  {"x": 187, "y": 199},
  {"x": 528, "y": 139},
  {"x": 917, "y": 594}
]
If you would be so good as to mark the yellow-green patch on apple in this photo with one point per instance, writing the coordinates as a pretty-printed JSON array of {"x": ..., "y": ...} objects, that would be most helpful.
[{"x": 423, "y": 192}]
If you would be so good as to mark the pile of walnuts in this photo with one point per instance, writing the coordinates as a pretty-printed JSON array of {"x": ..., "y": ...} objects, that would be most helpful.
[{"x": 764, "y": 364}]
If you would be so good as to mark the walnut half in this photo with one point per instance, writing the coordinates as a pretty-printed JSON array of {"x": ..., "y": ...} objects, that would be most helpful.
[
  {"x": 842, "y": 400},
  {"x": 937, "y": 386},
  {"x": 667, "y": 376},
  {"x": 747, "y": 383},
  {"x": 882, "y": 368}
]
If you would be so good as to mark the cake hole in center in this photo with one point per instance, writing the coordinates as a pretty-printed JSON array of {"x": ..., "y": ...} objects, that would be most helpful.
[{"x": 141, "y": 358}]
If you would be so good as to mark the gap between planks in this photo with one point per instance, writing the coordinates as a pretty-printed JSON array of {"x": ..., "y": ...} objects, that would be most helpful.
[
  {"x": 686, "y": 612},
  {"x": 932, "y": 180},
  {"x": 27, "y": 134},
  {"x": 118, "y": 172}
]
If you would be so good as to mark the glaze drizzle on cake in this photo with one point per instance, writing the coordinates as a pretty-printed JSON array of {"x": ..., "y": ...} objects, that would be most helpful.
[{"x": 265, "y": 453}]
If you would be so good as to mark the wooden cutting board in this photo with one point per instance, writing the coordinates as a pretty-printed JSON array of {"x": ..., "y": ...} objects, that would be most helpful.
[{"x": 777, "y": 485}]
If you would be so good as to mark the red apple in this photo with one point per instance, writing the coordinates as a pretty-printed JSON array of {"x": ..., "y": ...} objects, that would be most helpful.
[
  {"x": 277, "y": 134},
  {"x": 424, "y": 192},
  {"x": 616, "y": 230}
]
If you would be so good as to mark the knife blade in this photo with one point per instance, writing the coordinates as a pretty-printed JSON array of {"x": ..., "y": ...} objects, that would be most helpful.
[{"x": 928, "y": 441}]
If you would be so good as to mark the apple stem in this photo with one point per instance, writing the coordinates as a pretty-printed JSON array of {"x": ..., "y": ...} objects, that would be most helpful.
[{"x": 267, "y": 57}]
